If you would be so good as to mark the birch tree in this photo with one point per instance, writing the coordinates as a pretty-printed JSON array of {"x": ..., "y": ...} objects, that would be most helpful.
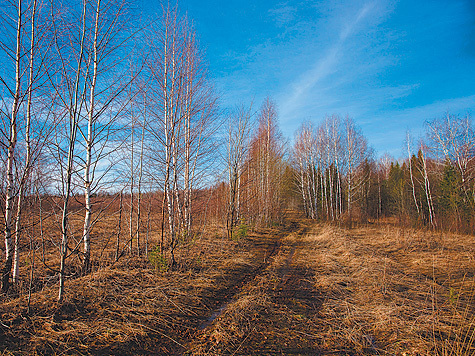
[
  {"x": 16, "y": 97},
  {"x": 356, "y": 152},
  {"x": 70, "y": 85},
  {"x": 108, "y": 50},
  {"x": 163, "y": 68},
  {"x": 24, "y": 47},
  {"x": 238, "y": 146},
  {"x": 427, "y": 187},
  {"x": 89, "y": 41},
  {"x": 408, "y": 142},
  {"x": 305, "y": 150},
  {"x": 265, "y": 167},
  {"x": 184, "y": 117},
  {"x": 453, "y": 139}
]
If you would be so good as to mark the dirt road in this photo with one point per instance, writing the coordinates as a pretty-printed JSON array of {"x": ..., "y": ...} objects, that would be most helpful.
[
  {"x": 271, "y": 312},
  {"x": 367, "y": 291}
]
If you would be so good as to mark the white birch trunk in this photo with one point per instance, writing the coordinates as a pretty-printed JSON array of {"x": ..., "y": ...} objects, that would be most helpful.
[
  {"x": 412, "y": 176},
  {"x": 89, "y": 145},
  {"x": 139, "y": 186},
  {"x": 430, "y": 205},
  {"x": 26, "y": 172},
  {"x": 12, "y": 141},
  {"x": 73, "y": 112}
]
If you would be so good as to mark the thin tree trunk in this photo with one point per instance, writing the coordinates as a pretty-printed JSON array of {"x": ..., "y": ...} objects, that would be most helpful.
[
  {"x": 147, "y": 234},
  {"x": 379, "y": 197},
  {"x": 324, "y": 192},
  {"x": 89, "y": 144},
  {"x": 32, "y": 268},
  {"x": 131, "y": 212},
  {"x": 267, "y": 176},
  {"x": 162, "y": 237},
  {"x": 330, "y": 188},
  {"x": 412, "y": 176},
  {"x": 309, "y": 191},
  {"x": 314, "y": 193},
  {"x": 16, "y": 254},
  {"x": 339, "y": 192},
  {"x": 26, "y": 172},
  {"x": 187, "y": 126},
  {"x": 64, "y": 219},
  {"x": 119, "y": 226},
  {"x": 302, "y": 187},
  {"x": 139, "y": 187},
  {"x": 12, "y": 140},
  {"x": 349, "y": 194},
  {"x": 428, "y": 192},
  {"x": 73, "y": 127}
]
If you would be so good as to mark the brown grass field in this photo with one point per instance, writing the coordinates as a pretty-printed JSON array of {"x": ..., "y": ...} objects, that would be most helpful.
[{"x": 304, "y": 288}]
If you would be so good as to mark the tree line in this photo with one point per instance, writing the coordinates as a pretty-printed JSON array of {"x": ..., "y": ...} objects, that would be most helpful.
[{"x": 339, "y": 178}]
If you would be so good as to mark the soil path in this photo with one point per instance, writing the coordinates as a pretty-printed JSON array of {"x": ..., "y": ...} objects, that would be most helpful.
[{"x": 248, "y": 319}]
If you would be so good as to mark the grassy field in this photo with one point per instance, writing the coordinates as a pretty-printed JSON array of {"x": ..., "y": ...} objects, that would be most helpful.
[{"x": 300, "y": 289}]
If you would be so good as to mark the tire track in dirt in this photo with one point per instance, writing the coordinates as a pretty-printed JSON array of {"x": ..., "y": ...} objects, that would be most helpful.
[
  {"x": 287, "y": 287},
  {"x": 295, "y": 289},
  {"x": 234, "y": 291},
  {"x": 272, "y": 246}
]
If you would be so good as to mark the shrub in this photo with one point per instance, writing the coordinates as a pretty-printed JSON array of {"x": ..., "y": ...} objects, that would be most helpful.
[
  {"x": 158, "y": 260},
  {"x": 241, "y": 231}
]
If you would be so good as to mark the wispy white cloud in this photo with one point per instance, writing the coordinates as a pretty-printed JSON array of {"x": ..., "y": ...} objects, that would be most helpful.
[
  {"x": 325, "y": 65},
  {"x": 364, "y": 58},
  {"x": 350, "y": 27}
]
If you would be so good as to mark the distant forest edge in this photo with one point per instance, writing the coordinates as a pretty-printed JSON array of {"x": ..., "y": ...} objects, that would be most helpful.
[
  {"x": 339, "y": 178},
  {"x": 91, "y": 102}
]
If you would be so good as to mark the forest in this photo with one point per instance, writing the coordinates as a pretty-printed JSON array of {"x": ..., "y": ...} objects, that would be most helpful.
[{"x": 115, "y": 152}]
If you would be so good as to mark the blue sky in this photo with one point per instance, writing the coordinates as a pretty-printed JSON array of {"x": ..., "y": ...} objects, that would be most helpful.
[{"x": 390, "y": 65}]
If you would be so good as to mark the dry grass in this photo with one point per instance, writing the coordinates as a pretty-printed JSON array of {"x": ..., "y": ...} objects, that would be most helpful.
[
  {"x": 272, "y": 313},
  {"x": 385, "y": 291},
  {"x": 394, "y": 291},
  {"x": 126, "y": 308},
  {"x": 309, "y": 289}
]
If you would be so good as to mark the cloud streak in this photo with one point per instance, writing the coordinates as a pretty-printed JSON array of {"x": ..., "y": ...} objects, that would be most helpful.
[
  {"x": 386, "y": 63},
  {"x": 326, "y": 65}
]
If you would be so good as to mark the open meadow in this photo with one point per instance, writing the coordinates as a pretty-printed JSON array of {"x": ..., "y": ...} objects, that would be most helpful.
[{"x": 303, "y": 288}]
